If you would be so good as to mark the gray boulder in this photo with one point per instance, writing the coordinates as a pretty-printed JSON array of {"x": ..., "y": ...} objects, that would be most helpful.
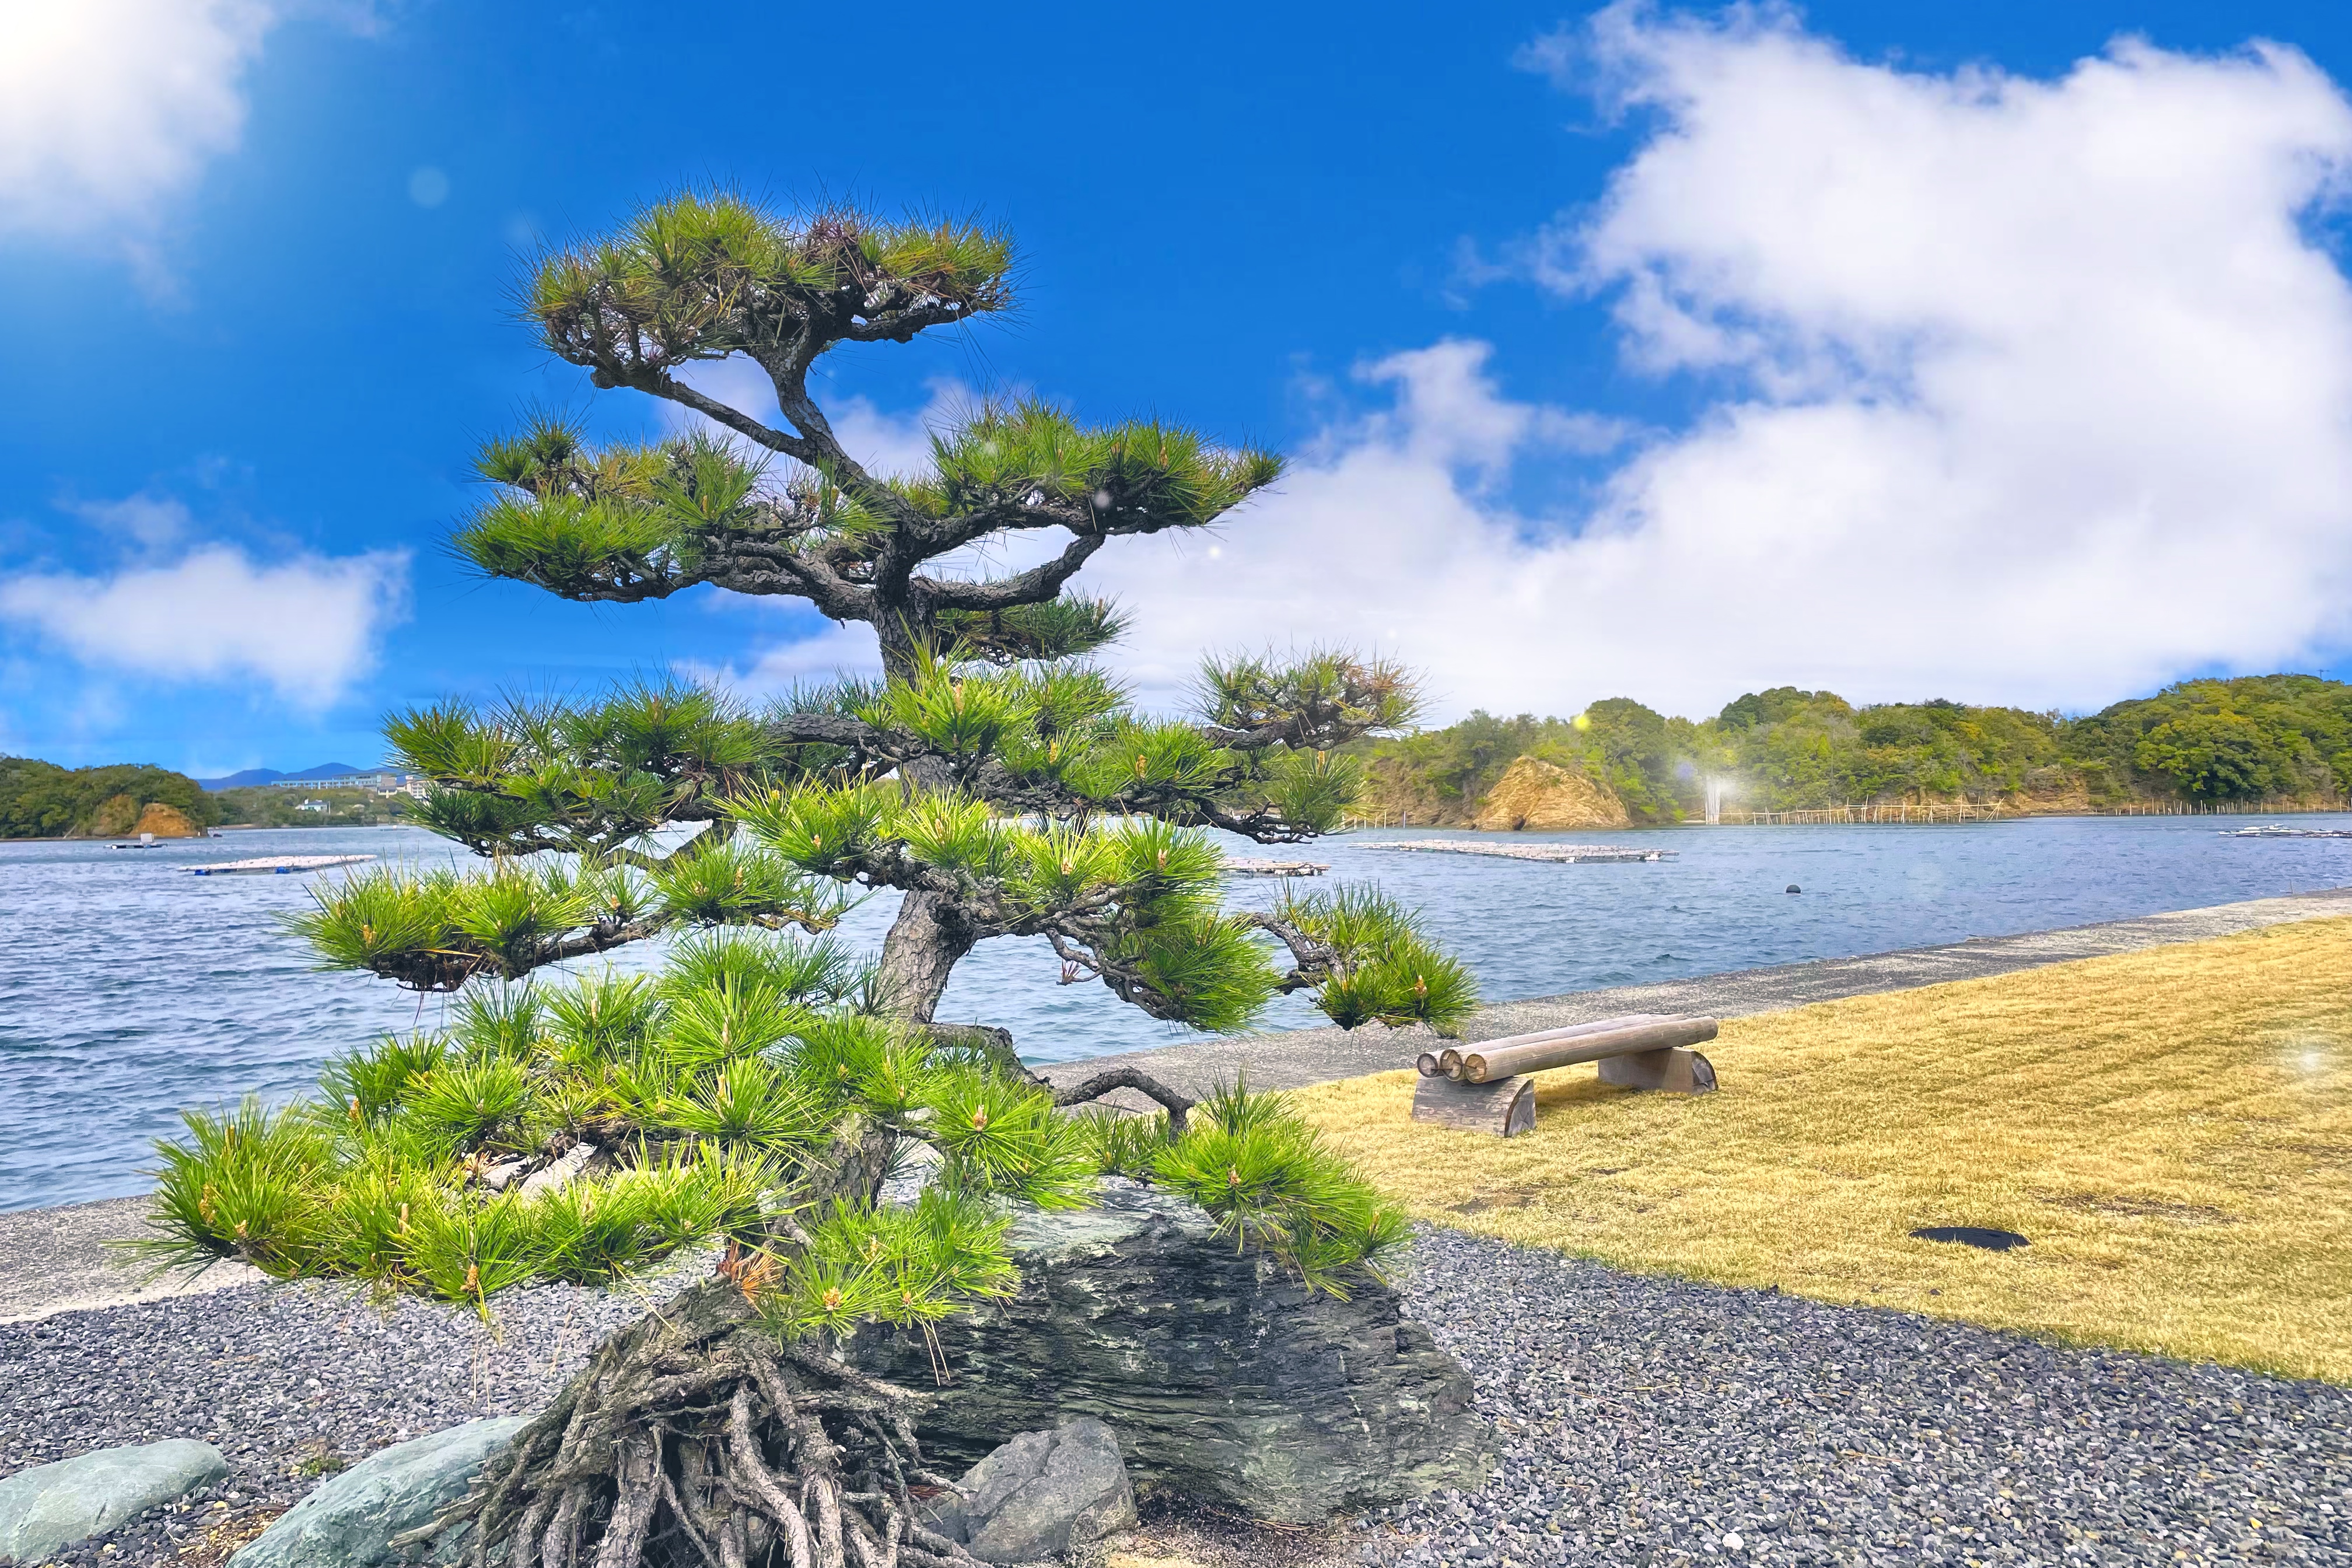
[
  {"x": 351, "y": 1519},
  {"x": 52, "y": 1506},
  {"x": 1224, "y": 1376},
  {"x": 1045, "y": 1492}
]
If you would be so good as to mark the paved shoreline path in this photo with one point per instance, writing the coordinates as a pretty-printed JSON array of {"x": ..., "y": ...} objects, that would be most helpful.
[
  {"x": 56, "y": 1259},
  {"x": 1301, "y": 1057}
]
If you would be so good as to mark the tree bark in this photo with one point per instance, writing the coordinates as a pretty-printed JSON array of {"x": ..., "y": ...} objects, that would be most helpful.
[{"x": 921, "y": 951}]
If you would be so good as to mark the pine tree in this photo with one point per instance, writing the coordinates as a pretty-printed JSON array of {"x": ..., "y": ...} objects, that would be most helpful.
[{"x": 761, "y": 1086}]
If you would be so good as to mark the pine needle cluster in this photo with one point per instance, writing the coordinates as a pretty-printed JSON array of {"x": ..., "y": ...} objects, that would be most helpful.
[{"x": 581, "y": 1131}]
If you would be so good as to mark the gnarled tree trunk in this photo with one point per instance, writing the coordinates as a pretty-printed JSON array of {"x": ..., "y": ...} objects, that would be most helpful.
[{"x": 925, "y": 942}]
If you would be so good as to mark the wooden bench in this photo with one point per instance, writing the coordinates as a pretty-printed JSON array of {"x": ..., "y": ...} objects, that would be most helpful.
[{"x": 1489, "y": 1087}]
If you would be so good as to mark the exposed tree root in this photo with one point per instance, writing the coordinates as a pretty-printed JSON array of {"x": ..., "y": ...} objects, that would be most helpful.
[{"x": 693, "y": 1437}]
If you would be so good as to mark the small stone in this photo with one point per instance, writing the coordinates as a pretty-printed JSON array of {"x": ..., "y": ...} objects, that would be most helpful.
[
  {"x": 1732, "y": 1543},
  {"x": 351, "y": 1519},
  {"x": 51, "y": 1506},
  {"x": 1044, "y": 1493}
]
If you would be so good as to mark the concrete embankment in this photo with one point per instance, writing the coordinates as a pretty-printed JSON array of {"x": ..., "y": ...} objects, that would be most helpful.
[{"x": 57, "y": 1259}]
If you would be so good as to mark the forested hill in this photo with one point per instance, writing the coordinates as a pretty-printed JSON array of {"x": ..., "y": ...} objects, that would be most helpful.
[
  {"x": 42, "y": 800},
  {"x": 2286, "y": 739}
]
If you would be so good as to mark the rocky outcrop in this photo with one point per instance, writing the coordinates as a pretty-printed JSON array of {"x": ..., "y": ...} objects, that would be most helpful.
[
  {"x": 353, "y": 1519},
  {"x": 1225, "y": 1377},
  {"x": 166, "y": 822},
  {"x": 52, "y": 1506},
  {"x": 1541, "y": 796}
]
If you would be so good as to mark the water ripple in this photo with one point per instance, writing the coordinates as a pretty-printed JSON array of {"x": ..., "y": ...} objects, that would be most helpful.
[{"x": 128, "y": 988}]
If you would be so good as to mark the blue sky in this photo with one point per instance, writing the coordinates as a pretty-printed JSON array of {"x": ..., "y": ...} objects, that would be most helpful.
[{"x": 1522, "y": 287}]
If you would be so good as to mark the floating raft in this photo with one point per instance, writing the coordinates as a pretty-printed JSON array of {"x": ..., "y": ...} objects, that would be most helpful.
[
  {"x": 277, "y": 866},
  {"x": 1248, "y": 867},
  {"x": 1556, "y": 853},
  {"x": 2271, "y": 830}
]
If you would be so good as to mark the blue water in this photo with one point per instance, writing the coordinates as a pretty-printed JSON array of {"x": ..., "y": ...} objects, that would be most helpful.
[{"x": 128, "y": 988}]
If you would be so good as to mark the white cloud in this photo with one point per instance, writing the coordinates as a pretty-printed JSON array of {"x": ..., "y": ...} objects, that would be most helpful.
[
  {"x": 147, "y": 520},
  {"x": 109, "y": 106},
  {"x": 2011, "y": 389},
  {"x": 308, "y": 627},
  {"x": 833, "y": 651}
]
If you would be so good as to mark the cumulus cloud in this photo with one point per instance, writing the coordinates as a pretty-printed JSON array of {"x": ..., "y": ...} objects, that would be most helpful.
[
  {"x": 308, "y": 627},
  {"x": 836, "y": 650},
  {"x": 109, "y": 110},
  {"x": 149, "y": 521},
  {"x": 2035, "y": 391},
  {"x": 109, "y": 106}
]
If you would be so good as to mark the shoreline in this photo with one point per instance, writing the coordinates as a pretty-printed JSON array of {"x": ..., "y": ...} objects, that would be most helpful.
[
  {"x": 1369, "y": 826},
  {"x": 1988, "y": 815},
  {"x": 1298, "y": 1057},
  {"x": 55, "y": 1258}
]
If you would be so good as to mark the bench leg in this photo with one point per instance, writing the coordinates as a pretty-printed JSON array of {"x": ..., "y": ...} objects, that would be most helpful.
[
  {"x": 1677, "y": 1071},
  {"x": 1504, "y": 1108}
]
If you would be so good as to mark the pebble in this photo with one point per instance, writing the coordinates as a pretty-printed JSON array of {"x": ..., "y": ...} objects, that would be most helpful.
[
  {"x": 1641, "y": 1420},
  {"x": 1646, "y": 1419},
  {"x": 279, "y": 1379}
]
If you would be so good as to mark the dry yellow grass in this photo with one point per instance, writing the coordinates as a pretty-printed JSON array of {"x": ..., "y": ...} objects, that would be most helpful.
[{"x": 2172, "y": 1128}]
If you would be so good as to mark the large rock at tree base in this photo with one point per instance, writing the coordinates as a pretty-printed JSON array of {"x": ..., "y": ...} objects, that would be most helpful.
[
  {"x": 1225, "y": 1377},
  {"x": 1541, "y": 796},
  {"x": 52, "y": 1506},
  {"x": 351, "y": 1519}
]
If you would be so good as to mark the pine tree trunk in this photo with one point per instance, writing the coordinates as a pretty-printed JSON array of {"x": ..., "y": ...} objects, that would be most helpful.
[
  {"x": 929, "y": 936},
  {"x": 921, "y": 953}
]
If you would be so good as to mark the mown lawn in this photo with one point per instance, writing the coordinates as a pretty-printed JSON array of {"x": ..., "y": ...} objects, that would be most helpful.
[{"x": 2171, "y": 1128}]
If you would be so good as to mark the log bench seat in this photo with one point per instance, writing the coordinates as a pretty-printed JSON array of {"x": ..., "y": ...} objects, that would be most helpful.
[{"x": 1490, "y": 1086}]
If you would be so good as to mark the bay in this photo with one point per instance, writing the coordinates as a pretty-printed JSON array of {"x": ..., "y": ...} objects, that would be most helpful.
[{"x": 129, "y": 988}]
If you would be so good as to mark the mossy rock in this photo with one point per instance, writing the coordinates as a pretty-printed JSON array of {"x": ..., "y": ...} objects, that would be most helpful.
[{"x": 1225, "y": 1378}]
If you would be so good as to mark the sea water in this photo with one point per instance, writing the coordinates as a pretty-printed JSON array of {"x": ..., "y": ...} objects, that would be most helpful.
[{"x": 129, "y": 988}]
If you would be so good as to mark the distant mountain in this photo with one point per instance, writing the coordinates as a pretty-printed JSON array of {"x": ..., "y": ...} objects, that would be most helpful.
[
  {"x": 252, "y": 776},
  {"x": 245, "y": 780}
]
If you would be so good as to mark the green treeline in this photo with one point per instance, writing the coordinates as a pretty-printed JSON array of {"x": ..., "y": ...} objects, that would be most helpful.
[
  {"x": 42, "y": 800},
  {"x": 2271, "y": 737},
  {"x": 261, "y": 806}
]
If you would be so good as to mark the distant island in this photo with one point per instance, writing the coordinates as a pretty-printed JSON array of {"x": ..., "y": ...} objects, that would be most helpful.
[
  {"x": 2274, "y": 741},
  {"x": 42, "y": 800},
  {"x": 2277, "y": 742}
]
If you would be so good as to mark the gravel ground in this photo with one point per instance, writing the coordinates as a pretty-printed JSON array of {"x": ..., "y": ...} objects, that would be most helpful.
[
  {"x": 1652, "y": 1420},
  {"x": 277, "y": 1380},
  {"x": 1642, "y": 1420}
]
